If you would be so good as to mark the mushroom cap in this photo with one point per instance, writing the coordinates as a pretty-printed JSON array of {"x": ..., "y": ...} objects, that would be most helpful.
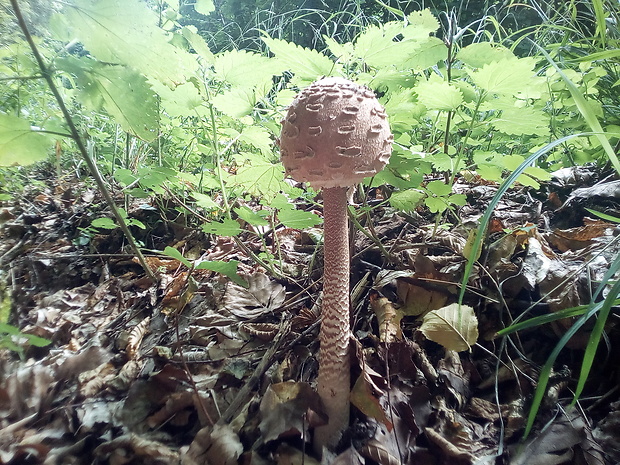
[{"x": 335, "y": 134}]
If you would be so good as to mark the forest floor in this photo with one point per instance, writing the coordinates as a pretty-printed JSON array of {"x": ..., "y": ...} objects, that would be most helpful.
[{"x": 197, "y": 368}]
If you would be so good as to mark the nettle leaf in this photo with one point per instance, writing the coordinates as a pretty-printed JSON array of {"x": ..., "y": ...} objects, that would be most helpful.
[
  {"x": 407, "y": 200},
  {"x": 421, "y": 25},
  {"x": 508, "y": 76},
  {"x": 377, "y": 48},
  {"x": 298, "y": 219},
  {"x": 241, "y": 68},
  {"x": 483, "y": 53},
  {"x": 19, "y": 144},
  {"x": 121, "y": 91},
  {"x": 439, "y": 95},
  {"x": 517, "y": 121},
  {"x": 180, "y": 101},
  {"x": 125, "y": 31},
  {"x": 226, "y": 227},
  {"x": 343, "y": 52},
  {"x": 304, "y": 62},
  {"x": 429, "y": 53}
]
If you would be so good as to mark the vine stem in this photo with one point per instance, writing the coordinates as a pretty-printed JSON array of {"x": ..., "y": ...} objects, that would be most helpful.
[{"x": 75, "y": 136}]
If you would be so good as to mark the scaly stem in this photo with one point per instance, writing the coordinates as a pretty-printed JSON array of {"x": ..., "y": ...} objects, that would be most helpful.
[{"x": 334, "y": 364}]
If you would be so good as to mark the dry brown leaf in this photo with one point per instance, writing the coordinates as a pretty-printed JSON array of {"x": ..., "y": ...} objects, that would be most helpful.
[
  {"x": 263, "y": 296},
  {"x": 455, "y": 327},
  {"x": 388, "y": 318}
]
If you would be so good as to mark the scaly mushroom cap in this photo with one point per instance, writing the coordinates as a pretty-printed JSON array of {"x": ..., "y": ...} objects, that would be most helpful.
[{"x": 335, "y": 134}]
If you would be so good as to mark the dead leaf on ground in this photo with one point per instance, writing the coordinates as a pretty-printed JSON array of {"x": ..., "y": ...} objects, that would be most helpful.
[
  {"x": 455, "y": 327},
  {"x": 263, "y": 296}
]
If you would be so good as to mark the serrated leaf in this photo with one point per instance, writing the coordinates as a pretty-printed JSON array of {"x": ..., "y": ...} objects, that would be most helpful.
[
  {"x": 304, "y": 62},
  {"x": 126, "y": 32},
  {"x": 19, "y": 145},
  {"x": 258, "y": 137},
  {"x": 226, "y": 227},
  {"x": 507, "y": 76},
  {"x": 482, "y": 53},
  {"x": 298, "y": 219},
  {"x": 261, "y": 179},
  {"x": 242, "y": 68},
  {"x": 429, "y": 53},
  {"x": 180, "y": 101},
  {"x": 439, "y": 95},
  {"x": 237, "y": 102},
  {"x": 517, "y": 121},
  {"x": 436, "y": 204},
  {"x": 121, "y": 91},
  {"x": 421, "y": 25},
  {"x": 454, "y": 327},
  {"x": 228, "y": 269}
]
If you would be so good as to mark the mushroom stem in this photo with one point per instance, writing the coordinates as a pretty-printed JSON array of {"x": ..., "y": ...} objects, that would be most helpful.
[{"x": 334, "y": 362}]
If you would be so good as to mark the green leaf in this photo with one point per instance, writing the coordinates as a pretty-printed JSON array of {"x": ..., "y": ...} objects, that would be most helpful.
[
  {"x": 439, "y": 188},
  {"x": 258, "y": 137},
  {"x": 482, "y": 53},
  {"x": 436, "y": 204},
  {"x": 120, "y": 90},
  {"x": 180, "y": 101},
  {"x": 197, "y": 42},
  {"x": 421, "y": 25},
  {"x": 261, "y": 178},
  {"x": 245, "y": 69},
  {"x": 104, "y": 223},
  {"x": 237, "y": 102},
  {"x": 204, "y": 201},
  {"x": 429, "y": 53},
  {"x": 250, "y": 216},
  {"x": 174, "y": 253},
  {"x": 518, "y": 121},
  {"x": 19, "y": 145},
  {"x": 408, "y": 200},
  {"x": 305, "y": 63},
  {"x": 204, "y": 7},
  {"x": 126, "y": 32},
  {"x": 298, "y": 219},
  {"x": 438, "y": 95},
  {"x": 228, "y": 269},
  {"x": 508, "y": 76},
  {"x": 226, "y": 227}
]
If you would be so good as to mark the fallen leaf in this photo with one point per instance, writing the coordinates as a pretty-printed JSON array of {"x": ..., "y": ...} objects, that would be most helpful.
[{"x": 455, "y": 327}]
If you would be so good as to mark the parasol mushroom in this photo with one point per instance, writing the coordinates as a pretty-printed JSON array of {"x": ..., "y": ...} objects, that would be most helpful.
[{"x": 334, "y": 135}]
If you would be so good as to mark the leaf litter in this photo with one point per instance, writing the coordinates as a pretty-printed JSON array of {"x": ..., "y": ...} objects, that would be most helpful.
[{"x": 200, "y": 368}]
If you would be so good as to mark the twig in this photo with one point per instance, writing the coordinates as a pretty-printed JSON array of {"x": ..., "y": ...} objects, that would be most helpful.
[{"x": 244, "y": 393}]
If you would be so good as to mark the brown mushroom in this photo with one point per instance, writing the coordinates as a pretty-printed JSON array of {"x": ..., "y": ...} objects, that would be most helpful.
[{"x": 334, "y": 135}]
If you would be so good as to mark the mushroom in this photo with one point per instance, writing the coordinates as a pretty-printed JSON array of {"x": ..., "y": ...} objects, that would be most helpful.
[{"x": 334, "y": 135}]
